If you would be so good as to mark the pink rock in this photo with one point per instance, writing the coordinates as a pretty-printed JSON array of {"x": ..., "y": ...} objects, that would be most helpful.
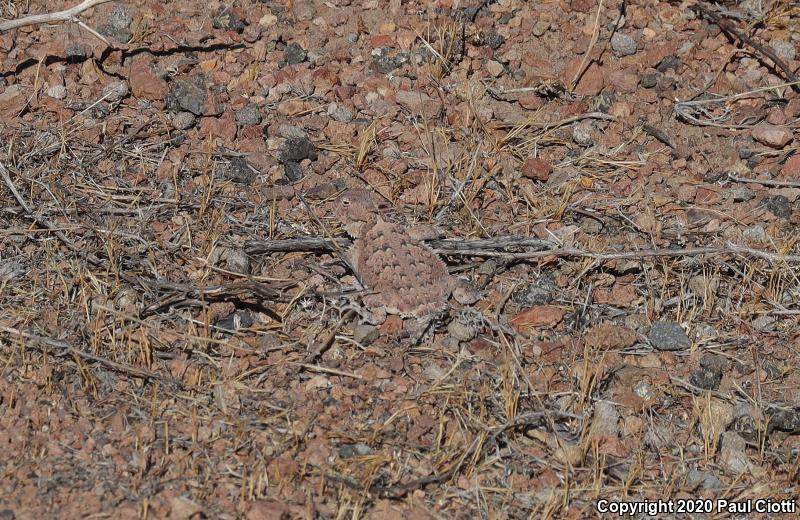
[
  {"x": 145, "y": 83},
  {"x": 792, "y": 108},
  {"x": 791, "y": 168},
  {"x": 536, "y": 168},
  {"x": 624, "y": 82},
  {"x": 495, "y": 68},
  {"x": 591, "y": 82},
  {"x": 775, "y": 116},
  {"x": 771, "y": 135},
  {"x": 531, "y": 102},
  {"x": 381, "y": 40},
  {"x": 12, "y": 101}
]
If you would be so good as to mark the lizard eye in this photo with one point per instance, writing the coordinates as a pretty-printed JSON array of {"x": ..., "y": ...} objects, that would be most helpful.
[{"x": 345, "y": 202}]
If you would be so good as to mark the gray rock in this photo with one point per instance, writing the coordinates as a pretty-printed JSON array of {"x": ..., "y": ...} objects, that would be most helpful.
[
  {"x": 339, "y": 113},
  {"x": 118, "y": 25},
  {"x": 349, "y": 451},
  {"x": 297, "y": 149},
  {"x": 228, "y": 21},
  {"x": 365, "y": 334},
  {"x": 295, "y": 54},
  {"x": 668, "y": 336},
  {"x": 238, "y": 320},
  {"x": 778, "y": 206},
  {"x": 293, "y": 171},
  {"x": 183, "y": 120},
  {"x": 732, "y": 454},
  {"x": 116, "y": 91},
  {"x": 540, "y": 27},
  {"x": 742, "y": 194},
  {"x": 57, "y": 92},
  {"x": 756, "y": 234},
  {"x": 670, "y": 62},
  {"x": 384, "y": 62},
  {"x": 494, "y": 40},
  {"x": 709, "y": 374},
  {"x": 189, "y": 95},
  {"x": 623, "y": 44},
  {"x": 785, "y": 420},
  {"x": 77, "y": 51},
  {"x": 703, "y": 479},
  {"x": 784, "y": 50},
  {"x": 249, "y": 115},
  {"x": 649, "y": 80},
  {"x": 292, "y": 132}
]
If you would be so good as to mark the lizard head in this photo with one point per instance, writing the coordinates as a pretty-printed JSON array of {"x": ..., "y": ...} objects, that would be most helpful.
[{"x": 356, "y": 208}]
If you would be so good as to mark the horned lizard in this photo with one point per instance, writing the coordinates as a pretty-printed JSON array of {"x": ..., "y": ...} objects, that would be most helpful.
[{"x": 400, "y": 274}]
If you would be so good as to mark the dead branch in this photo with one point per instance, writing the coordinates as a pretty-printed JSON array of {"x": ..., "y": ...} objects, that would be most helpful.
[
  {"x": 489, "y": 248},
  {"x": 732, "y": 32},
  {"x": 66, "y": 348},
  {"x": 67, "y": 15},
  {"x": 765, "y": 182}
]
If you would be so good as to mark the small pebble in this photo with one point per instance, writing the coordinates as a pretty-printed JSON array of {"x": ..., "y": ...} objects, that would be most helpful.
[
  {"x": 183, "y": 120},
  {"x": 249, "y": 115},
  {"x": 116, "y": 91},
  {"x": 540, "y": 27},
  {"x": 296, "y": 149},
  {"x": 649, "y": 80},
  {"x": 57, "y": 92},
  {"x": 668, "y": 335},
  {"x": 582, "y": 133},
  {"x": 779, "y": 206},
  {"x": 295, "y": 54},
  {"x": 623, "y": 44},
  {"x": 339, "y": 113},
  {"x": 364, "y": 334},
  {"x": 784, "y": 50},
  {"x": 293, "y": 171}
]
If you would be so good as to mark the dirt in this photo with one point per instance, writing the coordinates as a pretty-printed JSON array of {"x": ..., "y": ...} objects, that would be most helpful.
[{"x": 180, "y": 336}]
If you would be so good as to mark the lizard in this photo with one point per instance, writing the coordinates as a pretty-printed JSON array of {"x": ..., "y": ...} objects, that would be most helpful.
[{"x": 401, "y": 274}]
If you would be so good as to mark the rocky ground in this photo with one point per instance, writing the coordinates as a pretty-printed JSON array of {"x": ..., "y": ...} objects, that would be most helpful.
[{"x": 619, "y": 181}]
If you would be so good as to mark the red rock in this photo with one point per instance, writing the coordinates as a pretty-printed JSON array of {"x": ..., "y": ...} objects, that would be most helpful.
[
  {"x": 145, "y": 83},
  {"x": 531, "y": 102},
  {"x": 536, "y": 168},
  {"x": 591, "y": 82},
  {"x": 381, "y": 40},
  {"x": 771, "y": 135},
  {"x": 606, "y": 336},
  {"x": 792, "y": 108},
  {"x": 223, "y": 126},
  {"x": 537, "y": 316},
  {"x": 494, "y": 68},
  {"x": 12, "y": 101},
  {"x": 268, "y": 509},
  {"x": 707, "y": 196},
  {"x": 625, "y": 82},
  {"x": 791, "y": 168},
  {"x": 622, "y": 295},
  {"x": 582, "y": 6},
  {"x": 775, "y": 116}
]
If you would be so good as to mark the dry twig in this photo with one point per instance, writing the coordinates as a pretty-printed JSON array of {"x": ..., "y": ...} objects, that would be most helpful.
[{"x": 67, "y": 15}]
